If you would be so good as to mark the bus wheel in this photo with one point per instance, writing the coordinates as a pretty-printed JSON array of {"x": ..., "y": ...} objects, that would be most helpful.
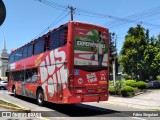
[
  {"x": 14, "y": 92},
  {"x": 40, "y": 97}
]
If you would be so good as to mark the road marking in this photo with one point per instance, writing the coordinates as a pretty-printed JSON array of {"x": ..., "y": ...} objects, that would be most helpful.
[
  {"x": 139, "y": 118},
  {"x": 43, "y": 118}
]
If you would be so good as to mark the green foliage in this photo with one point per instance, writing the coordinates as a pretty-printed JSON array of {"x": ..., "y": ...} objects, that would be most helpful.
[
  {"x": 152, "y": 59},
  {"x": 125, "y": 76},
  {"x": 127, "y": 91},
  {"x": 132, "y": 50},
  {"x": 138, "y": 84},
  {"x": 117, "y": 88},
  {"x": 158, "y": 77},
  {"x": 141, "y": 84},
  {"x": 140, "y": 54},
  {"x": 112, "y": 90},
  {"x": 131, "y": 83},
  {"x": 136, "y": 90}
]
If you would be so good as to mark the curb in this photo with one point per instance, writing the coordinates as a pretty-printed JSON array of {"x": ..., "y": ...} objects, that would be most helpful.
[
  {"x": 131, "y": 106},
  {"x": 13, "y": 106}
]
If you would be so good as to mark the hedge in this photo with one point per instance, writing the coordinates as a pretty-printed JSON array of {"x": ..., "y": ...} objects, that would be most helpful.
[
  {"x": 112, "y": 90},
  {"x": 141, "y": 84},
  {"x": 131, "y": 83},
  {"x": 117, "y": 88},
  {"x": 127, "y": 91}
]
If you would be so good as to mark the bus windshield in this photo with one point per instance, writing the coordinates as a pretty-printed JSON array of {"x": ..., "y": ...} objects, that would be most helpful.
[{"x": 90, "y": 48}]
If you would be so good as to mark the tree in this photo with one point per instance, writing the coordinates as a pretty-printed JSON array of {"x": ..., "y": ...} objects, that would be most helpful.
[
  {"x": 152, "y": 58},
  {"x": 131, "y": 55},
  {"x": 140, "y": 54}
]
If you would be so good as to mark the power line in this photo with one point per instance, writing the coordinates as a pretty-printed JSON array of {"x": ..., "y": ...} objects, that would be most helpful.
[
  {"x": 58, "y": 6},
  {"x": 53, "y": 4},
  {"x": 137, "y": 17},
  {"x": 123, "y": 21},
  {"x": 92, "y": 15},
  {"x": 117, "y": 21},
  {"x": 57, "y": 20}
]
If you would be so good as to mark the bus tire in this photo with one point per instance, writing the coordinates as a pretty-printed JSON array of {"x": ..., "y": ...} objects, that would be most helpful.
[
  {"x": 14, "y": 91},
  {"x": 40, "y": 97}
]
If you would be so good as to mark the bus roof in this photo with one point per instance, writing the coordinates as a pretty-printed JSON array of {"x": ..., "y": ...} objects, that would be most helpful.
[
  {"x": 85, "y": 23},
  {"x": 75, "y": 22}
]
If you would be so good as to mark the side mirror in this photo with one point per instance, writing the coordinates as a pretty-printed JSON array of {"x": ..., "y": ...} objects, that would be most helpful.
[{"x": 2, "y": 13}]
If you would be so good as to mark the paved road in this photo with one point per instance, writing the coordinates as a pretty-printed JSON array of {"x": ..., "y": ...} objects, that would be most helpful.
[{"x": 100, "y": 110}]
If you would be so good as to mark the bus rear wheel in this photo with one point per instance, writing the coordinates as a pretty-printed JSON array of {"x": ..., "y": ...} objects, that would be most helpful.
[
  {"x": 14, "y": 92},
  {"x": 40, "y": 97}
]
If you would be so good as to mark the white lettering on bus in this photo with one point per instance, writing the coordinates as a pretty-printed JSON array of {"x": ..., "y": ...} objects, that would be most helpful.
[
  {"x": 61, "y": 55},
  {"x": 50, "y": 86},
  {"x": 55, "y": 75},
  {"x": 43, "y": 72},
  {"x": 90, "y": 44},
  {"x": 51, "y": 67}
]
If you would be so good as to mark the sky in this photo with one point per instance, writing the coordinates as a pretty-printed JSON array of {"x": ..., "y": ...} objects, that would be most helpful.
[{"x": 27, "y": 20}]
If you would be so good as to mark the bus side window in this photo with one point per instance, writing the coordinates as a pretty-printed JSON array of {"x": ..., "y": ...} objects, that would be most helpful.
[
  {"x": 30, "y": 50},
  {"x": 25, "y": 51},
  {"x": 12, "y": 76},
  {"x": 47, "y": 42},
  {"x": 22, "y": 75},
  {"x": 58, "y": 38},
  {"x": 16, "y": 76},
  {"x": 39, "y": 46},
  {"x": 18, "y": 54},
  {"x": 11, "y": 57},
  {"x": 27, "y": 75},
  {"x": 54, "y": 40},
  {"x": 63, "y": 36},
  {"x": 31, "y": 75}
]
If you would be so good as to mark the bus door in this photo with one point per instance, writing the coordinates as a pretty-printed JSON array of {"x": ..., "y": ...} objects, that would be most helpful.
[
  {"x": 29, "y": 85},
  {"x": 17, "y": 78}
]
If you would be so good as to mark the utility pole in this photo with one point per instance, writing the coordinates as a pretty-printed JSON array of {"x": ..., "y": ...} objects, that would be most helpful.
[
  {"x": 114, "y": 63},
  {"x": 71, "y": 11},
  {"x": 114, "y": 72}
]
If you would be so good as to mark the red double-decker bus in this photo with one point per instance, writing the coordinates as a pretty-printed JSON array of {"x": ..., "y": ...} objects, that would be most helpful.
[{"x": 69, "y": 64}]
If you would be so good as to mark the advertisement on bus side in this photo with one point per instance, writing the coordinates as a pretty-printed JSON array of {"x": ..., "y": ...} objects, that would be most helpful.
[{"x": 90, "y": 47}]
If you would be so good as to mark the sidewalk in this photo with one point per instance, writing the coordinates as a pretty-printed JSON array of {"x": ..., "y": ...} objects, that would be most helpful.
[{"x": 148, "y": 101}]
